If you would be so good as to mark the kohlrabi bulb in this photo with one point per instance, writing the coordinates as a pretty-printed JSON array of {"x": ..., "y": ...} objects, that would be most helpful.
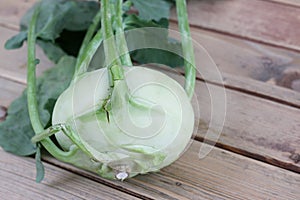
[{"x": 122, "y": 133}]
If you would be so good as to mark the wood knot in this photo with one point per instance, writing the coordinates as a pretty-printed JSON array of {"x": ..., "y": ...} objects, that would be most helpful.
[
  {"x": 290, "y": 79},
  {"x": 178, "y": 184},
  {"x": 295, "y": 157},
  {"x": 3, "y": 113}
]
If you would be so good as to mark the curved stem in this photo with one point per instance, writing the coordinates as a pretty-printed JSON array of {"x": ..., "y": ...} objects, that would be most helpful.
[
  {"x": 86, "y": 47},
  {"x": 86, "y": 57},
  {"x": 31, "y": 94},
  {"x": 31, "y": 76},
  {"x": 120, "y": 39},
  {"x": 187, "y": 48}
]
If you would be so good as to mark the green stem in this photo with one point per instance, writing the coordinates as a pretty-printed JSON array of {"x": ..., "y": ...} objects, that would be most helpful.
[
  {"x": 187, "y": 47},
  {"x": 111, "y": 56},
  {"x": 88, "y": 48},
  {"x": 31, "y": 94},
  {"x": 86, "y": 57},
  {"x": 31, "y": 77},
  {"x": 121, "y": 41}
]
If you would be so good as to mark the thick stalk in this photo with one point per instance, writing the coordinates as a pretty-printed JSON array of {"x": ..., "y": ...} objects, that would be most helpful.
[
  {"x": 31, "y": 94},
  {"x": 187, "y": 47},
  {"x": 121, "y": 41},
  {"x": 111, "y": 56}
]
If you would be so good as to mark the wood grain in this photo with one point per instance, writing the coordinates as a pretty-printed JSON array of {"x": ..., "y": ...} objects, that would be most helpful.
[
  {"x": 260, "y": 89},
  {"x": 245, "y": 61},
  {"x": 256, "y": 127},
  {"x": 242, "y": 59},
  {"x": 13, "y": 62},
  {"x": 287, "y": 2},
  {"x": 220, "y": 175},
  {"x": 251, "y": 127},
  {"x": 246, "y": 66},
  {"x": 246, "y": 129},
  {"x": 12, "y": 11},
  {"x": 234, "y": 134},
  {"x": 9, "y": 90},
  {"x": 17, "y": 181},
  {"x": 262, "y": 21}
]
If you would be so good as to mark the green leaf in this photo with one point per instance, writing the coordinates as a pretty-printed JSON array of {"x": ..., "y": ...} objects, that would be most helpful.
[
  {"x": 81, "y": 15},
  {"x": 133, "y": 21},
  {"x": 16, "y": 131},
  {"x": 152, "y": 10},
  {"x": 167, "y": 50},
  {"x": 159, "y": 56},
  {"x": 127, "y": 6},
  {"x": 16, "y": 41},
  {"x": 40, "y": 170},
  {"x": 55, "y": 17},
  {"x": 53, "y": 51}
]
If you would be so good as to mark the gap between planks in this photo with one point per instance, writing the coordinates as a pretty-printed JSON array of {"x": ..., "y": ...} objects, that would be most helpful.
[
  {"x": 237, "y": 136},
  {"x": 230, "y": 81},
  {"x": 18, "y": 182},
  {"x": 244, "y": 66},
  {"x": 292, "y": 99},
  {"x": 165, "y": 184},
  {"x": 221, "y": 174},
  {"x": 234, "y": 82},
  {"x": 286, "y": 157},
  {"x": 230, "y": 17},
  {"x": 264, "y": 93},
  {"x": 292, "y": 3},
  {"x": 243, "y": 132},
  {"x": 240, "y": 37}
]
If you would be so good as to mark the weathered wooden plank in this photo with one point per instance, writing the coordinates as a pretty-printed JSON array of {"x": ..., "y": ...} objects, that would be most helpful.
[
  {"x": 268, "y": 91},
  {"x": 253, "y": 126},
  {"x": 261, "y": 21},
  {"x": 220, "y": 175},
  {"x": 256, "y": 61},
  {"x": 17, "y": 181},
  {"x": 261, "y": 133},
  {"x": 163, "y": 186},
  {"x": 239, "y": 61},
  {"x": 12, "y": 11},
  {"x": 255, "y": 52},
  {"x": 13, "y": 62},
  {"x": 241, "y": 125},
  {"x": 8, "y": 91},
  {"x": 164, "y": 183},
  {"x": 245, "y": 59},
  {"x": 287, "y": 2}
]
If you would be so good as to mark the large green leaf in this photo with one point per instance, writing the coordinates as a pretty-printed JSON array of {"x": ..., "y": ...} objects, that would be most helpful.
[
  {"x": 164, "y": 50},
  {"x": 16, "y": 131},
  {"x": 55, "y": 17}
]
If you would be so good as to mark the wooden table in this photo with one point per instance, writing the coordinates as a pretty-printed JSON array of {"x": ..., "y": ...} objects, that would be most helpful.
[{"x": 256, "y": 45}]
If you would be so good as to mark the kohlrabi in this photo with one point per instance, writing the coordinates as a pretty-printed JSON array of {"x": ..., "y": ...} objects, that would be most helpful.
[{"x": 120, "y": 120}]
